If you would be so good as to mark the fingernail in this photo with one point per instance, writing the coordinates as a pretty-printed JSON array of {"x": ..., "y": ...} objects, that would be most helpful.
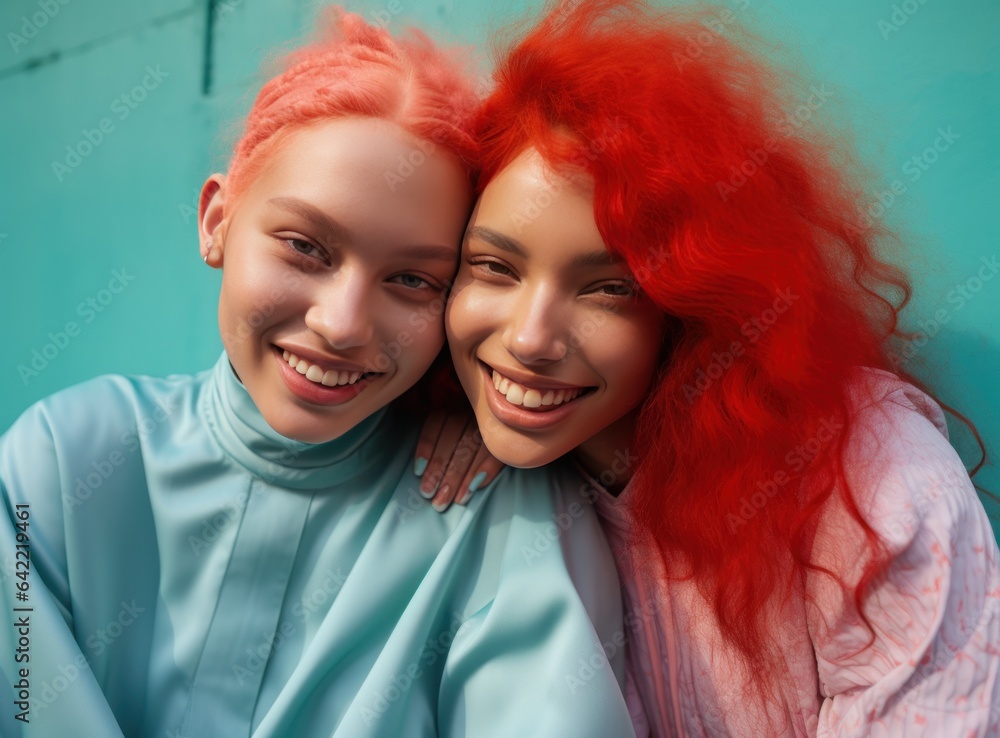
[
  {"x": 427, "y": 493},
  {"x": 420, "y": 466},
  {"x": 476, "y": 481},
  {"x": 440, "y": 506}
]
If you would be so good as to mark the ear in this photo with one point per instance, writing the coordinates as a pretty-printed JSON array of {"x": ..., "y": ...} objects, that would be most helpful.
[{"x": 211, "y": 220}]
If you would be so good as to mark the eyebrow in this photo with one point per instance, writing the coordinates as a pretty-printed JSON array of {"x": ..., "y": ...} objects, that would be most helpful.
[
  {"x": 330, "y": 228},
  {"x": 601, "y": 258},
  {"x": 326, "y": 225}
]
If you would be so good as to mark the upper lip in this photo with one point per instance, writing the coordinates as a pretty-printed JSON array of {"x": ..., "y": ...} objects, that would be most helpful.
[
  {"x": 533, "y": 380},
  {"x": 326, "y": 363}
]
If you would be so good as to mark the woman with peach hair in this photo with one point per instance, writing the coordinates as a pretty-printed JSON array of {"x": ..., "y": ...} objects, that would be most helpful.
[
  {"x": 802, "y": 551},
  {"x": 243, "y": 551}
]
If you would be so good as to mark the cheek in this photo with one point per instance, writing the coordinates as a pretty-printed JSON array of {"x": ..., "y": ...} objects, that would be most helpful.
[
  {"x": 472, "y": 315},
  {"x": 414, "y": 334},
  {"x": 639, "y": 340},
  {"x": 247, "y": 287}
]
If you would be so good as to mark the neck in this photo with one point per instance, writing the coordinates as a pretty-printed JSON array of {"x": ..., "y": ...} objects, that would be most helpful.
[{"x": 608, "y": 457}]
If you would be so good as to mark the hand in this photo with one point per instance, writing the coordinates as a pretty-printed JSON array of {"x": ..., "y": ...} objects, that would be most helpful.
[{"x": 452, "y": 459}]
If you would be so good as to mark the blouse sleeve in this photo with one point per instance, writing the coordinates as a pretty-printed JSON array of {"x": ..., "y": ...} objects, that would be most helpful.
[
  {"x": 545, "y": 656},
  {"x": 46, "y": 685},
  {"x": 933, "y": 668}
]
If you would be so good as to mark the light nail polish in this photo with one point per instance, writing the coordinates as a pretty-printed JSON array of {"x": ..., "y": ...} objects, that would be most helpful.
[{"x": 476, "y": 481}]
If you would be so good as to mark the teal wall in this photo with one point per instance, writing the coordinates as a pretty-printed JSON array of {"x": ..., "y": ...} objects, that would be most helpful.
[{"x": 99, "y": 264}]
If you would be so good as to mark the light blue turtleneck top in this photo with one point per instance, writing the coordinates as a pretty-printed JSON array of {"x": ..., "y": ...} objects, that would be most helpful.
[{"x": 194, "y": 573}]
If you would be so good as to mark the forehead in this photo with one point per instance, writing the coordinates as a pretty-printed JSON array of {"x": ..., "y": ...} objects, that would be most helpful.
[
  {"x": 550, "y": 212},
  {"x": 361, "y": 169}
]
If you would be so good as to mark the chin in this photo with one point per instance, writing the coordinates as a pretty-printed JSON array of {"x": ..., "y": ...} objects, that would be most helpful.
[
  {"x": 521, "y": 453},
  {"x": 305, "y": 432}
]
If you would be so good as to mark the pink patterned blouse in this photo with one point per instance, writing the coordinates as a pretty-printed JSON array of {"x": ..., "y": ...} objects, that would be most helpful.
[{"x": 934, "y": 667}]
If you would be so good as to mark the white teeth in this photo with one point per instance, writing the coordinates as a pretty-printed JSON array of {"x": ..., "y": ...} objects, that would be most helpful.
[
  {"x": 516, "y": 394},
  {"x": 314, "y": 373}
]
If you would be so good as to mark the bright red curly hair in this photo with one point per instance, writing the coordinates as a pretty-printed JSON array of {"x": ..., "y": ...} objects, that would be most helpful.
[{"x": 727, "y": 212}]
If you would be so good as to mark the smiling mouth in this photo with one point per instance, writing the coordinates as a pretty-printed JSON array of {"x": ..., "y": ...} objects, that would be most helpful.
[
  {"x": 536, "y": 399},
  {"x": 329, "y": 378}
]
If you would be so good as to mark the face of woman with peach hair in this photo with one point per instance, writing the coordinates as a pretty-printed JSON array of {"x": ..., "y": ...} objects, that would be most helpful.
[
  {"x": 553, "y": 342},
  {"x": 334, "y": 271}
]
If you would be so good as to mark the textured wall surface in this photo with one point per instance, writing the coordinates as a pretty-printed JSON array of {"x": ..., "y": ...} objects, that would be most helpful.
[{"x": 112, "y": 113}]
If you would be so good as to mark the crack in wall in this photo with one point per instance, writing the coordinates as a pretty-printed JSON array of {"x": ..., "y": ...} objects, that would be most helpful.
[{"x": 53, "y": 57}]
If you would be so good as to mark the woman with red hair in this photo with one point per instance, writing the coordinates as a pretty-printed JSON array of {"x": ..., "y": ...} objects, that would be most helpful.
[{"x": 669, "y": 280}]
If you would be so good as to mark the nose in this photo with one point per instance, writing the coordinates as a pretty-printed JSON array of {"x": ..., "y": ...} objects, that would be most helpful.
[
  {"x": 537, "y": 329},
  {"x": 342, "y": 311}
]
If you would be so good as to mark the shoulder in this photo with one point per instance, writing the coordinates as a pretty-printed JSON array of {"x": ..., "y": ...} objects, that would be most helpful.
[
  {"x": 911, "y": 487},
  {"x": 934, "y": 609},
  {"x": 552, "y": 526},
  {"x": 87, "y": 421},
  {"x": 555, "y": 500},
  {"x": 898, "y": 460}
]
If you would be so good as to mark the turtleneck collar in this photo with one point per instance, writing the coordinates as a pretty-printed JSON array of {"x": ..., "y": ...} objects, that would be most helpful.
[{"x": 240, "y": 429}]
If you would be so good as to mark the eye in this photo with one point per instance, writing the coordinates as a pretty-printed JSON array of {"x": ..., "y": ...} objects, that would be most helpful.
[
  {"x": 300, "y": 246},
  {"x": 491, "y": 268},
  {"x": 413, "y": 282},
  {"x": 617, "y": 289}
]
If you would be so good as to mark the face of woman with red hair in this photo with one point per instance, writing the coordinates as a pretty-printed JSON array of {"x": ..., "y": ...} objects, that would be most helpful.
[
  {"x": 335, "y": 260},
  {"x": 553, "y": 343}
]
